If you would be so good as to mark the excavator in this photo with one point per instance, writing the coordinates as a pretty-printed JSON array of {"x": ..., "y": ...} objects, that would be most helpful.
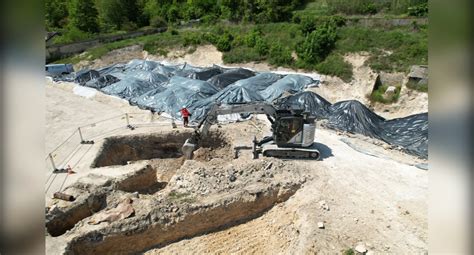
[{"x": 292, "y": 131}]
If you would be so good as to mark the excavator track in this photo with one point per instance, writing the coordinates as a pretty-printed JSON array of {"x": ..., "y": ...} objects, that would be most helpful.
[{"x": 294, "y": 153}]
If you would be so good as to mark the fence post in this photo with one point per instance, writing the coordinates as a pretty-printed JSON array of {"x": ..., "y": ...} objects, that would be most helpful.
[
  {"x": 82, "y": 138},
  {"x": 52, "y": 162},
  {"x": 128, "y": 122},
  {"x": 80, "y": 135}
]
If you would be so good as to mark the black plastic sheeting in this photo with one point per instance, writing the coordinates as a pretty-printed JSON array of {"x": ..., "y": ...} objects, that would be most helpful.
[
  {"x": 225, "y": 79},
  {"x": 410, "y": 133},
  {"x": 84, "y": 76}
]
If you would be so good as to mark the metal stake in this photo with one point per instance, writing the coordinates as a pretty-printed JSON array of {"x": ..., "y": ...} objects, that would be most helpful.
[
  {"x": 80, "y": 134},
  {"x": 52, "y": 161}
]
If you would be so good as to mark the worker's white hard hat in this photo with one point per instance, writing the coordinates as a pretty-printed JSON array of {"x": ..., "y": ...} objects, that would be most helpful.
[{"x": 184, "y": 106}]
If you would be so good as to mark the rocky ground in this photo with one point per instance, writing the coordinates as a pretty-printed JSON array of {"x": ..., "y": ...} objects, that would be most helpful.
[{"x": 361, "y": 194}]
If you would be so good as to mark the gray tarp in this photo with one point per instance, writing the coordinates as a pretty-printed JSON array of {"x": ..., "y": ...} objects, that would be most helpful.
[
  {"x": 145, "y": 83},
  {"x": 291, "y": 83},
  {"x": 129, "y": 87}
]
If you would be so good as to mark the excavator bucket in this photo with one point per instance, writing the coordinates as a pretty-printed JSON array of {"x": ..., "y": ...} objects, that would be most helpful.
[{"x": 188, "y": 149}]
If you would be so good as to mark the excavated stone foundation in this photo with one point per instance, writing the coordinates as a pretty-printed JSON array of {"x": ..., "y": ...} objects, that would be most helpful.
[{"x": 159, "y": 198}]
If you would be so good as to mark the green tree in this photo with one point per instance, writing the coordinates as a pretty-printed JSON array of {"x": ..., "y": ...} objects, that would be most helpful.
[
  {"x": 55, "y": 13},
  {"x": 83, "y": 15},
  {"x": 116, "y": 14},
  {"x": 318, "y": 44}
]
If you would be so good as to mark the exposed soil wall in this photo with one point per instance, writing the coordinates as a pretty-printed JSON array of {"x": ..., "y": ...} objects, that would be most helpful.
[{"x": 156, "y": 229}]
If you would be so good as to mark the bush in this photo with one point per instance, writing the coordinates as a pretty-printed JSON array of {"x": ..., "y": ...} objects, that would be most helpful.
[
  {"x": 158, "y": 22},
  {"x": 210, "y": 37},
  {"x": 191, "y": 39},
  {"x": 309, "y": 24},
  {"x": 335, "y": 65},
  {"x": 420, "y": 10},
  {"x": 251, "y": 38},
  {"x": 174, "y": 31},
  {"x": 355, "y": 7},
  {"x": 224, "y": 43},
  {"x": 209, "y": 18},
  {"x": 378, "y": 95},
  {"x": 318, "y": 44},
  {"x": 261, "y": 46},
  {"x": 72, "y": 34},
  {"x": 279, "y": 55}
]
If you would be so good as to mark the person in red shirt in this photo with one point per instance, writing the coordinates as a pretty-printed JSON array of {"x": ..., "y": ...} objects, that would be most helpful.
[{"x": 185, "y": 114}]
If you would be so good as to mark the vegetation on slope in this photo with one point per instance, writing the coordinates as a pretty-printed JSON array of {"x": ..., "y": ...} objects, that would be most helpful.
[{"x": 296, "y": 34}]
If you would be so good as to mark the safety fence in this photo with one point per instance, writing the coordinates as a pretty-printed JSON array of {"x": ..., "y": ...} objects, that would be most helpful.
[{"x": 62, "y": 160}]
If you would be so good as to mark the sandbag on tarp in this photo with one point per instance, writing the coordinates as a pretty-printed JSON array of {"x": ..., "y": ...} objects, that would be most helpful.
[
  {"x": 129, "y": 87},
  {"x": 141, "y": 64},
  {"x": 354, "y": 117},
  {"x": 86, "y": 75},
  {"x": 410, "y": 133},
  {"x": 102, "y": 81},
  {"x": 206, "y": 74},
  {"x": 309, "y": 101},
  {"x": 291, "y": 83},
  {"x": 147, "y": 76},
  {"x": 228, "y": 77}
]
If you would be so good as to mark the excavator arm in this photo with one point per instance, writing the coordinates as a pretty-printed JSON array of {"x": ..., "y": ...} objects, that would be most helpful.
[{"x": 217, "y": 109}]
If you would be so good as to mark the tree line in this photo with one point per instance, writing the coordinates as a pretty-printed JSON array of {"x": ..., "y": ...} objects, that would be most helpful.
[{"x": 104, "y": 16}]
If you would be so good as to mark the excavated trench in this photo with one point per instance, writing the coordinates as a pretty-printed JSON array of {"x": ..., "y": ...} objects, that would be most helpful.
[
  {"x": 164, "y": 153},
  {"x": 157, "y": 229},
  {"x": 160, "y": 218}
]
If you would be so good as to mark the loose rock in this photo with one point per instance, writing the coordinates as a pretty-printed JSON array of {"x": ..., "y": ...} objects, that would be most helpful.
[
  {"x": 361, "y": 248},
  {"x": 321, "y": 225}
]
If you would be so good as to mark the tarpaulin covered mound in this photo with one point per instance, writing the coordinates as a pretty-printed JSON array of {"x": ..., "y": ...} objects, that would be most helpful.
[
  {"x": 257, "y": 83},
  {"x": 129, "y": 87},
  {"x": 167, "y": 88},
  {"x": 149, "y": 100},
  {"x": 230, "y": 76},
  {"x": 147, "y": 76},
  {"x": 352, "y": 116},
  {"x": 291, "y": 84},
  {"x": 410, "y": 133},
  {"x": 102, "y": 81},
  {"x": 206, "y": 74},
  {"x": 178, "y": 92},
  {"x": 309, "y": 101}
]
